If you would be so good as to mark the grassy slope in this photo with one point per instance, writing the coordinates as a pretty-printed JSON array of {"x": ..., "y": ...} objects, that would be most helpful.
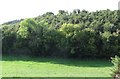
[{"x": 51, "y": 67}]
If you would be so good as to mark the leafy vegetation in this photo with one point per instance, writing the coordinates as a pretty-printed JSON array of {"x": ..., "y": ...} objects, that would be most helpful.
[
  {"x": 77, "y": 34},
  {"x": 116, "y": 69}
]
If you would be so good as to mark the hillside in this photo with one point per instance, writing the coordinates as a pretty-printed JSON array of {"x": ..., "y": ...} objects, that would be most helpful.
[{"x": 77, "y": 34}]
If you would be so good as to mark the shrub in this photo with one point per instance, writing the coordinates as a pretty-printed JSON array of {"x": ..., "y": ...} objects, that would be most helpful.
[{"x": 116, "y": 68}]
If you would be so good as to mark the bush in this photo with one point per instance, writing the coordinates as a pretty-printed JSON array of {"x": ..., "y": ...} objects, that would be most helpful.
[{"x": 116, "y": 68}]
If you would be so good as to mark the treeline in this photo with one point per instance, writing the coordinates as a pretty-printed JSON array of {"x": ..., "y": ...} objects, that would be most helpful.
[{"x": 77, "y": 34}]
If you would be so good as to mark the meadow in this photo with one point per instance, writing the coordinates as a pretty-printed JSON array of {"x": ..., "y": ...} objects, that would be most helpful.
[{"x": 54, "y": 67}]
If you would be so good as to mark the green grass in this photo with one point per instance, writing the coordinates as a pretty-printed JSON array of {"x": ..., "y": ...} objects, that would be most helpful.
[{"x": 53, "y": 67}]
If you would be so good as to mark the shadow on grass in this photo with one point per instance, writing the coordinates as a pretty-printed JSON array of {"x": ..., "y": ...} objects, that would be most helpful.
[{"x": 63, "y": 61}]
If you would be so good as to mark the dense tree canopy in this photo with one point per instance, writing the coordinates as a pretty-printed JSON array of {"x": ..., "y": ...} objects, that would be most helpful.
[{"x": 77, "y": 34}]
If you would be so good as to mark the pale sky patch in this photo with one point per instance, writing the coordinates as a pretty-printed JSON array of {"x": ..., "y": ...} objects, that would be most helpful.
[{"x": 17, "y": 9}]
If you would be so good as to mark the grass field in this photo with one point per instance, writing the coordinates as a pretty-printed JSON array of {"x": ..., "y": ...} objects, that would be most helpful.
[{"x": 52, "y": 67}]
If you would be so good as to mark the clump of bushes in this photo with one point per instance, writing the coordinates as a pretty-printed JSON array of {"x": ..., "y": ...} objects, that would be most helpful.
[{"x": 116, "y": 68}]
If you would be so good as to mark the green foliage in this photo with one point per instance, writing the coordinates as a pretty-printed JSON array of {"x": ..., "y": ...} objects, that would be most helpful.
[
  {"x": 23, "y": 32},
  {"x": 116, "y": 68},
  {"x": 76, "y": 34}
]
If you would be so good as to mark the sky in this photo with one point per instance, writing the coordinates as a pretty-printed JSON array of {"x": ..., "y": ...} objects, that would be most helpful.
[{"x": 17, "y": 9}]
